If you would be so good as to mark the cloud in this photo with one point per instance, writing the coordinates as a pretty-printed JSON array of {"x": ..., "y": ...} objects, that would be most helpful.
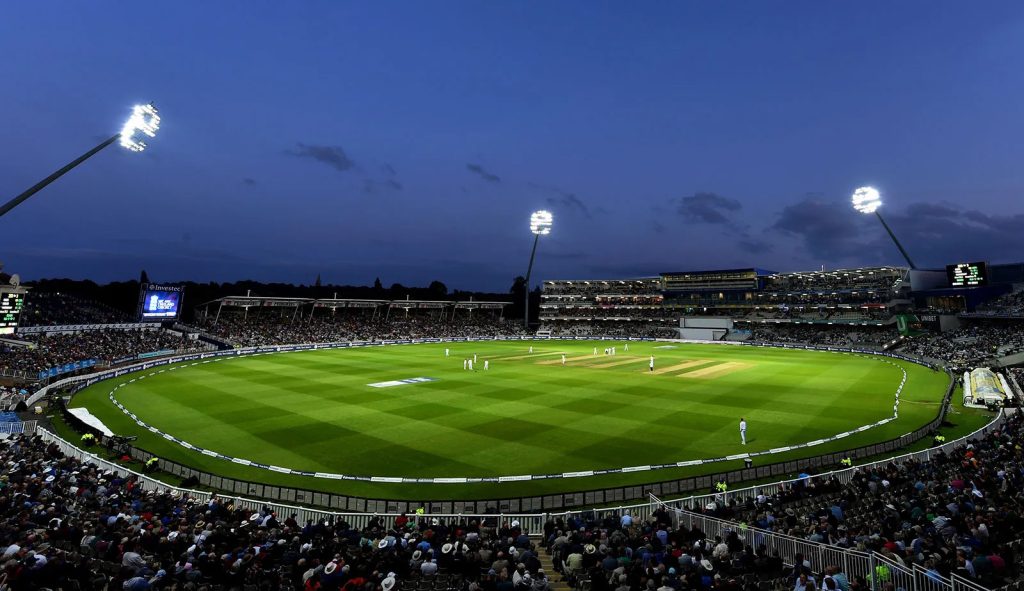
[
  {"x": 708, "y": 208},
  {"x": 940, "y": 234},
  {"x": 333, "y": 156},
  {"x": 934, "y": 234},
  {"x": 484, "y": 174},
  {"x": 565, "y": 200},
  {"x": 755, "y": 246},
  {"x": 827, "y": 228},
  {"x": 372, "y": 186},
  {"x": 248, "y": 181}
]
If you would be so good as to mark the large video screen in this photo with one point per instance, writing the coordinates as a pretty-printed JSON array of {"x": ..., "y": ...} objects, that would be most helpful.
[
  {"x": 967, "y": 274},
  {"x": 10, "y": 311},
  {"x": 160, "y": 302}
]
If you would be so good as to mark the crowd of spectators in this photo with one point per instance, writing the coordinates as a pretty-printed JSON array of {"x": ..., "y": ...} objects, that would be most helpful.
[
  {"x": 611, "y": 328},
  {"x": 61, "y": 309},
  {"x": 68, "y": 525},
  {"x": 613, "y": 551},
  {"x": 272, "y": 329},
  {"x": 1018, "y": 374},
  {"x": 1011, "y": 304},
  {"x": 828, "y": 335},
  {"x": 958, "y": 513},
  {"x": 42, "y": 351},
  {"x": 971, "y": 345}
]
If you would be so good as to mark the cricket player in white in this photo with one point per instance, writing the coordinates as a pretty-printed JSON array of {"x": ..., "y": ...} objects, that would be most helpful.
[
  {"x": 743, "y": 430},
  {"x": 563, "y": 358},
  {"x": 474, "y": 357},
  {"x": 595, "y": 350},
  {"x": 531, "y": 348},
  {"x": 470, "y": 364},
  {"x": 626, "y": 346},
  {"x": 487, "y": 364},
  {"x": 446, "y": 352},
  {"x": 465, "y": 364},
  {"x": 652, "y": 362}
]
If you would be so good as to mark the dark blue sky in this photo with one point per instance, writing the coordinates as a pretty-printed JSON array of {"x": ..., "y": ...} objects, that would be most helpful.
[{"x": 411, "y": 140}]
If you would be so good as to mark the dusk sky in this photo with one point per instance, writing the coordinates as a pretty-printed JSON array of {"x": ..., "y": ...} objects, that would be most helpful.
[{"x": 411, "y": 140}]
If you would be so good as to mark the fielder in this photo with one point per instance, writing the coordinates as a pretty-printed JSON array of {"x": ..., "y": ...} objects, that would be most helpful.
[
  {"x": 465, "y": 364},
  {"x": 743, "y": 431},
  {"x": 470, "y": 364},
  {"x": 446, "y": 351},
  {"x": 652, "y": 363},
  {"x": 487, "y": 364},
  {"x": 531, "y": 348},
  {"x": 563, "y": 358}
]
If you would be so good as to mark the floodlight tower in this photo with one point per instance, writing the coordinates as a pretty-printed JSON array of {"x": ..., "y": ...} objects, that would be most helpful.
[
  {"x": 540, "y": 225},
  {"x": 143, "y": 123},
  {"x": 868, "y": 200}
]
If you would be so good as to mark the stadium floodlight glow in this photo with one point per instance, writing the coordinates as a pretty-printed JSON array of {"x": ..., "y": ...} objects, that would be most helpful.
[
  {"x": 143, "y": 123},
  {"x": 867, "y": 200},
  {"x": 540, "y": 222},
  {"x": 540, "y": 225}
]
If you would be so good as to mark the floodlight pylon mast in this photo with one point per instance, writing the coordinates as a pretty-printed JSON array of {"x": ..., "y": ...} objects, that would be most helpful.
[
  {"x": 526, "y": 296},
  {"x": 6, "y": 207},
  {"x": 892, "y": 235}
]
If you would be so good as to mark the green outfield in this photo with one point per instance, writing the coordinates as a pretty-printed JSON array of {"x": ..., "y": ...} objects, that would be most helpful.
[{"x": 527, "y": 414}]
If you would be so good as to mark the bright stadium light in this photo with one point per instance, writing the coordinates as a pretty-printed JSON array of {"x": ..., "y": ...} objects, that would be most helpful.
[
  {"x": 540, "y": 225},
  {"x": 540, "y": 222},
  {"x": 143, "y": 123},
  {"x": 867, "y": 200}
]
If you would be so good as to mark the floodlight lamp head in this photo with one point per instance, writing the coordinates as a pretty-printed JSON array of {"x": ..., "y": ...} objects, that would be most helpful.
[
  {"x": 540, "y": 222},
  {"x": 144, "y": 122},
  {"x": 866, "y": 200}
]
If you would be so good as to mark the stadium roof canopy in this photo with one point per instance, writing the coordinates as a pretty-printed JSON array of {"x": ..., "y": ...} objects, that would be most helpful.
[
  {"x": 755, "y": 270},
  {"x": 269, "y": 302},
  {"x": 841, "y": 272},
  {"x": 609, "y": 281}
]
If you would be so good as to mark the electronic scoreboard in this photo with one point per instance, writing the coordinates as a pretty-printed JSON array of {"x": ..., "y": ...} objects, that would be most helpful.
[
  {"x": 967, "y": 274},
  {"x": 160, "y": 302},
  {"x": 11, "y": 303}
]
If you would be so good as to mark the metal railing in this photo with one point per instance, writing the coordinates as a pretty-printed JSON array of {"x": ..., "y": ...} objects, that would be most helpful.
[
  {"x": 28, "y": 427},
  {"x": 877, "y": 570}
]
